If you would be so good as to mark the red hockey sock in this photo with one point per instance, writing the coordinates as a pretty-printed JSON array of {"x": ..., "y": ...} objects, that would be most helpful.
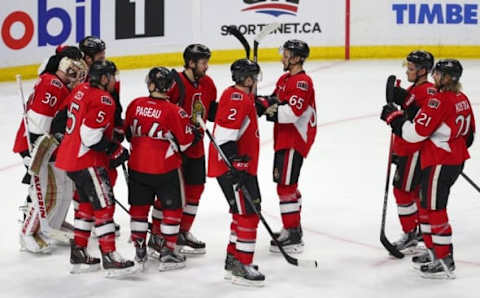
[
  {"x": 289, "y": 207},
  {"x": 425, "y": 227},
  {"x": 407, "y": 209},
  {"x": 83, "y": 223},
  {"x": 246, "y": 238},
  {"x": 157, "y": 216},
  {"x": 233, "y": 235},
  {"x": 139, "y": 222},
  {"x": 170, "y": 226},
  {"x": 193, "y": 193},
  {"x": 441, "y": 233},
  {"x": 105, "y": 228}
]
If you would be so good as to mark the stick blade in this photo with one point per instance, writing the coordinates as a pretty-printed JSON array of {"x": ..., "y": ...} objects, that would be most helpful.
[
  {"x": 389, "y": 88},
  {"x": 389, "y": 246},
  {"x": 310, "y": 264},
  {"x": 266, "y": 30}
]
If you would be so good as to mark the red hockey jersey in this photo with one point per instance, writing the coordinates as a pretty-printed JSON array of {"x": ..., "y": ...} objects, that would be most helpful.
[
  {"x": 48, "y": 95},
  {"x": 198, "y": 97},
  {"x": 442, "y": 124},
  {"x": 419, "y": 94},
  {"x": 236, "y": 120},
  {"x": 156, "y": 125},
  {"x": 297, "y": 117},
  {"x": 90, "y": 117}
]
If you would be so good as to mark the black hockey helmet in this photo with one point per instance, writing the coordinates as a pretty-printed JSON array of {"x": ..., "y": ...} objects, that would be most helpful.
[
  {"x": 91, "y": 45},
  {"x": 161, "y": 78},
  {"x": 99, "y": 68},
  {"x": 451, "y": 67},
  {"x": 196, "y": 52},
  {"x": 297, "y": 47},
  {"x": 244, "y": 68},
  {"x": 422, "y": 59}
]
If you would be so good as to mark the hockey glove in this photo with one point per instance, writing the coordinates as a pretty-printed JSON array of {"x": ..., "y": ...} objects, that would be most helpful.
[
  {"x": 399, "y": 95},
  {"x": 394, "y": 117},
  {"x": 118, "y": 134},
  {"x": 117, "y": 154},
  {"x": 263, "y": 102},
  {"x": 272, "y": 113},
  {"x": 239, "y": 172},
  {"x": 197, "y": 134}
]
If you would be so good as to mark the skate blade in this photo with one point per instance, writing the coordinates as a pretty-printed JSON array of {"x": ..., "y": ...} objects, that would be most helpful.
[
  {"x": 170, "y": 266},
  {"x": 120, "y": 273},
  {"x": 84, "y": 268},
  {"x": 237, "y": 280},
  {"x": 413, "y": 250},
  {"x": 439, "y": 275},
  {"x": 142, "y": 266},
  {"x": 185, "y": 250},
  {"x": 290, "y": 249},
  {"x": 227, "y": 275}
]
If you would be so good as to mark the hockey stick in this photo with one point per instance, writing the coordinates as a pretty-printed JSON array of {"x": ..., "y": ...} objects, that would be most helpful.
[
  {"x": 37, "y": 198},
  {"x": 473, "y": 184},
  {"x": 383, "y": 238},
  {"x": 260, "y": 36},
  {"x": 248, "y": 198},
  {"x": 235, "y": 32}
]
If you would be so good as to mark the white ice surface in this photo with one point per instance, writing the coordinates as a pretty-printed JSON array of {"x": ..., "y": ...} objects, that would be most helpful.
[{"x": 342, "y": 183}]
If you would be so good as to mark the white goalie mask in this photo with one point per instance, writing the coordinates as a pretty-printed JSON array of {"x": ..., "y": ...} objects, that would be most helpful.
[{"x": 74, "y": 70}]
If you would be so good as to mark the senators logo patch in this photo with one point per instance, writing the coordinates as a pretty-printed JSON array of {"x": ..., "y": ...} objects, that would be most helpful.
[
  {"x": 79, "y": 95},
  {"x": 237, "y": 96},
  {"x": 182, "y": 113},
  {"x": 106, "y": 100},
  {"x": 433, "y": 103},
  {"x": 431, "y": 91},
  {"x": 302, "y": 85},
  {"x": 56, "y": 83}
]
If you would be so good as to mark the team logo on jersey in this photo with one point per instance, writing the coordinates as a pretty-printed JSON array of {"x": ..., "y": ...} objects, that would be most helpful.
[
  {"x": 79, "y": 95},
  {"x": 302, "y": 85},
  {"x": 182, "y": 113},
  {"x": 431, "y": 91},
  {"x": 56, "y": 83},
  {"x": 274, "y": 8},
  {"x": 433, "y": 103},
  {"x": 106, "y": 100},
  {"x": 237, "y": 96}
]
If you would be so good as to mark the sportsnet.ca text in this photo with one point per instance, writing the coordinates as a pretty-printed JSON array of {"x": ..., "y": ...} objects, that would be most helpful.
[{"x": 285, "y": 28}]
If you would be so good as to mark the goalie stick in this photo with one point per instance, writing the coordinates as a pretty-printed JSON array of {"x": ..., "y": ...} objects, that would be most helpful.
[
  {"x": 37, "y": 198},
  {"x": 248, "y": 198}
]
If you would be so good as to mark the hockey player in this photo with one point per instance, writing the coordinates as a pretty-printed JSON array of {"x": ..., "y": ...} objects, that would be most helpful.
[
  {"x": 236, "y": 132},
  {"x": 445, "y": 125},
  {"x": 157, "y": 129},
  {"x": 50, "y": 91},
  {"x": 86, "y": 153},
  {"x": 199, "y": 99},
  {"x": 406, "y": 155},
  {"x": 295, "y": 128}
]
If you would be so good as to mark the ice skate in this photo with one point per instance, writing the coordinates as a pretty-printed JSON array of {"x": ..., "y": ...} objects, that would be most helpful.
[
  {"x": 141, "y": 255},
  {"x": 422, "y": 259},
  {"x": 155, "y": 244},
  {"x": 170, "y": 260},
  {"x": 408, "y": 242},
  {"x": 290, "y": 240},
  {"x": 116, "y": 266},
  {"x": 246, "y": 275},
  {"x": 189, "y": 245},
  {"x": 80, "y": 259},
  {"x": 439, "y": 269},
  {"x": 229, "y": 261}
]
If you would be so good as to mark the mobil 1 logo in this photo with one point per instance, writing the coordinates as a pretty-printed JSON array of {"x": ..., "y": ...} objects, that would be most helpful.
[{"x": 139, "y": 18}]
